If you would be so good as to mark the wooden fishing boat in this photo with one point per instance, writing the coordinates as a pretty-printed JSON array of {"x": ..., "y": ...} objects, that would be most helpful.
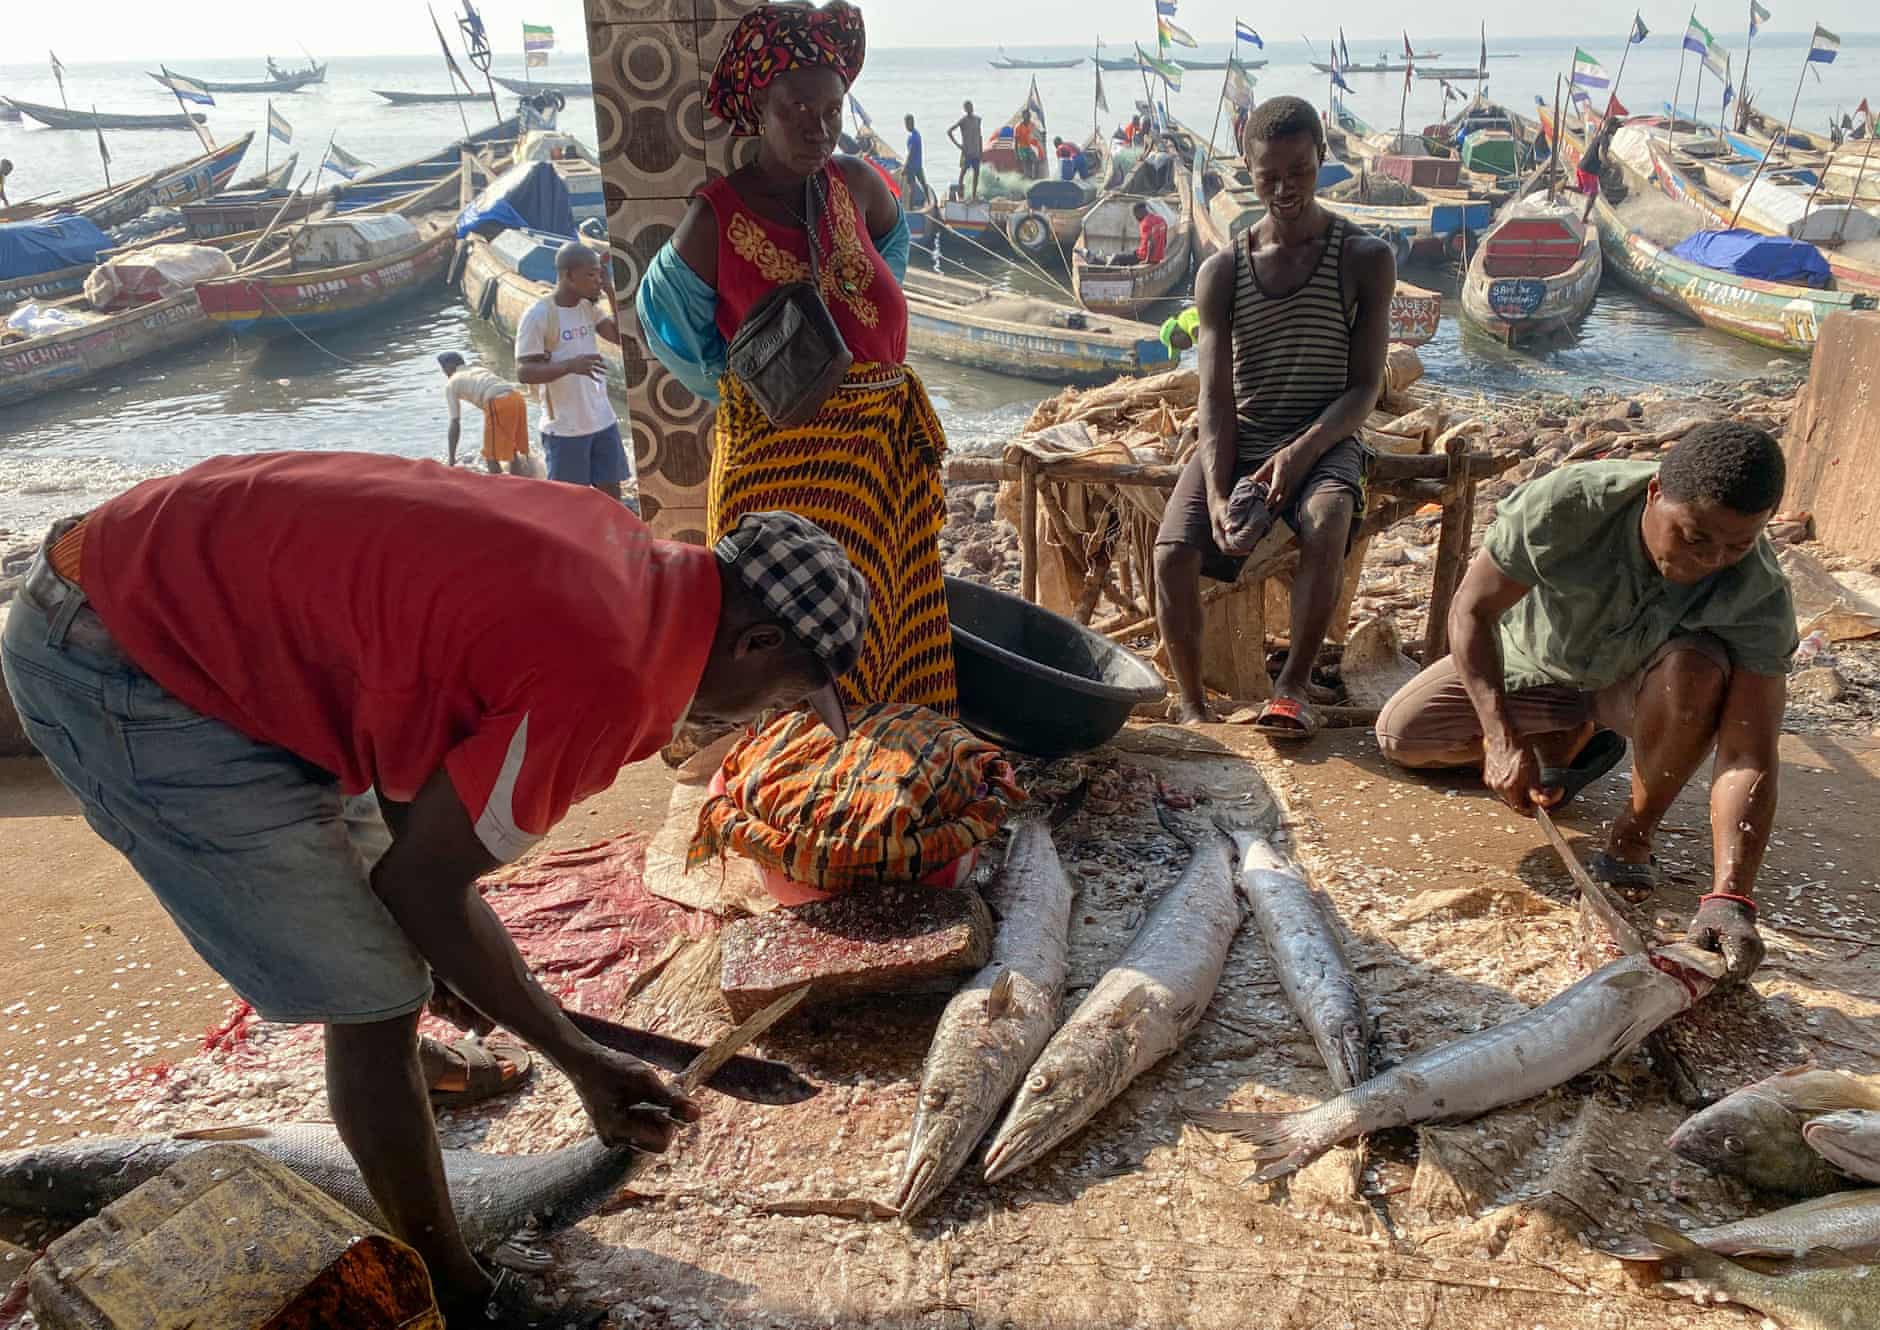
[
  {"x": 9, "y": 113},
  {"x": 1110, "y": 228},
  {"x": 61, "y": 117},
  {"x": 1203, "y": 66},
  {"x": 292, "y": 81},
  {"x": 1005, "y": 61},
  {"x": 1759, "y": 133},
  {"x": 1496, "y": 153},
  {"x": 426, "y": 98},
  {"x": 310, "y": 295},
  {"x": 436, "y": 172},
  {"x": 972, "y": 324},
  {"x": 1414, "y": 313},
  {"x": 1428, "y": 230},
  {"x": 524, "y": 88},
  {"x": 197, "y": 177},
  {"x": 1536, "y": 272},
  {"x": 1226, "y": 207},
  {"x": 275, "y": 177},
  {"x": 1454, "y": 73}
]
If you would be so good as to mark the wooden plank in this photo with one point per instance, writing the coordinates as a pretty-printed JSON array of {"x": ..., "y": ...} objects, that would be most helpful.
[
  {"x": 1233, "y": 642},
  {"x": 1452, "y": 551},
  {"x": 1028, "y": 531}
]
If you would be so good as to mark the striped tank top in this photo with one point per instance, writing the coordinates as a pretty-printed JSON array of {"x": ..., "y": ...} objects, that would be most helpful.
[{"x": 1292, "y": 354}]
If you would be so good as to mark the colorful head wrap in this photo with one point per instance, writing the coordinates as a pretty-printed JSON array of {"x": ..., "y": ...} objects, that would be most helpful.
[{"x": 774, "y": 39}]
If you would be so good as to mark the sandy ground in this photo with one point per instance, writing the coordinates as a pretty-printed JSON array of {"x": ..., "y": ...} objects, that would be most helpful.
[{"x": 1456, "y": 914}]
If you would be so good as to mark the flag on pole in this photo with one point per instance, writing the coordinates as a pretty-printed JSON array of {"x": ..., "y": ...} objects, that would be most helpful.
[
  {"x": 341, "y": 162},
  {"x": 1588, "y": 72},
  {"x": 190, "y": 90},
  {"x": 1409, "y": 60},
  {"x": 1824, "y": 47},
  {"x": 1757, "y": 17},
  {"x": 1717, "y": 61},
  {"x": 1697, "y": 38},
  {"x": 1103, "y": 103},
  {"x": 1167, "y": 32},
  {"x": 449, "y": 59},
  {"x": 1639, "y": 31},
  {"x": 1863, "y": 115},
  {"x": 538, "y": 37},
  {"x": 1033, "y": 104},
  {"x": 1243, "y": 33},
  {"x": 861, "y": 116},
  {"x": 1344, "y": 51},
  {"x": 1729, "y": 94},
  {"x": 58, "y": 71},
  {"x": 1483, "y": 66},
  {"x": 1169, "y": 72},
  {"x": 1338, "y": 77},
  {"x": 278, "y": 128},
  {"x": 104, "y": 153},
  {"x": 1165, "y": 8},
  {"x": 1238, "y": 90}
]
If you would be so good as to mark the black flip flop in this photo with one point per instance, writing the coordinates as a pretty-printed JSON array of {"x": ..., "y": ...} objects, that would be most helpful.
[
  {"x": 1602, "y": 753},
  {"x": 1635, "y": 882}
]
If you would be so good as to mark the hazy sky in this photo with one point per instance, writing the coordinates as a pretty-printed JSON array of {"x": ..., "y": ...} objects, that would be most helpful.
[{"x": 139, "y": 30}]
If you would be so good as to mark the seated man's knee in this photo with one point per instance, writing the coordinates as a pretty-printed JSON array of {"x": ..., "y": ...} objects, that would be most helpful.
[
  {"x": 1176, "y": 564},
  {"x": 1694, "y": 682},
  {"x": 1325, "y": 519}
]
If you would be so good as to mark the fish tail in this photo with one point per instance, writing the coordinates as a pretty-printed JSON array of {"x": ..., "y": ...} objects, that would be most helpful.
[{"x": 1283, "y": 1143}]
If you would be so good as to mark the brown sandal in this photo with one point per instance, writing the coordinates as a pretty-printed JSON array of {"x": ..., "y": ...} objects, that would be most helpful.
[{"x": 490, "y": 1070}]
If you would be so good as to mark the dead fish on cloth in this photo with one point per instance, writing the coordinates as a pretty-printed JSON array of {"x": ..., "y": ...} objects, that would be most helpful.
[
  {"x": 1308, "y": 957},
  {"x": 1604, "y": 1015},
  {"x": 1756, "y": 1135},
  {"x": 1849, "y": 1139},
  {"x": 1845, "y": 1225},
  {"x": 1826, "y": 1296},
  {"x": 495, "y": 1197},
  {"x": 993, "y": 1029},
  {"x": 1138, "y": 1013}
]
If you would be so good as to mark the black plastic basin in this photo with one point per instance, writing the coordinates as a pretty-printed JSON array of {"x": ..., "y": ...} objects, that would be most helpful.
[{"x": 1037, "y": 681}]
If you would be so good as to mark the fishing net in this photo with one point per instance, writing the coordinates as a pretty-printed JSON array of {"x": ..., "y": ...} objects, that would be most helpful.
[
  {"x": 1379, "y": 190},
  {"x": 908, "y": 793}
]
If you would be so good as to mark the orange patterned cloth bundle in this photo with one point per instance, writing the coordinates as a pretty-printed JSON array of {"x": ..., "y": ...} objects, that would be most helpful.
[{"x": 908, "y": 793}]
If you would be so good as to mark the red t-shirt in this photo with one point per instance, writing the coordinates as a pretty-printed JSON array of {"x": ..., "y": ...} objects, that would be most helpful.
[
  {"x": 382, "y": 618},
  {"x": 1152, "y": 234}
]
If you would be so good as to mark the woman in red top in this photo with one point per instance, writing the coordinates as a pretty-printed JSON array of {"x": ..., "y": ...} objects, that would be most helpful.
[{"x": 867, "y": 467}]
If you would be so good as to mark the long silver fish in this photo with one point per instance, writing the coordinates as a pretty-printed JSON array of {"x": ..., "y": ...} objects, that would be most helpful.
[
  {"x": 1308, "y": 958},
  {"x": 495, "y": 1197},
  {"x": 1138, "y": 1013},
  {"x": 993, "y": 1029},
  {"x": 1607, "y": 1013},
  {"x": 1849, "y": 1139},
  {"x": 1846, "y": 1224},
  {"x": 1756, "y": 1134},
  {"x": 1832, "y": 1296}
]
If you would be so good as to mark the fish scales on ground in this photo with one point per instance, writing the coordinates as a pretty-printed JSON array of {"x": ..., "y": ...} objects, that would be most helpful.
[
  {"x": 1604, "y": 1015},
  {"x": 1756, "y": 1135},
  {"x": 1821, "y": 1297},
  {"x": 1138, "y": 1013},
  {"x": 1845, "y": 1226},
  {"x": 494, "y": 1196},
  {"x": 1309, "y": 958},
  {"x": 993, "y": 1029},
  {"x": 1849, "y": 1139}
]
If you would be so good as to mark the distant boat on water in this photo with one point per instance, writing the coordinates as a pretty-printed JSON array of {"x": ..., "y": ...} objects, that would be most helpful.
[
  {"x": 61, "y": 117},
  {"x": 397, "y": 98},
  {"x": 525, "y": 88},
  {"x": 1005, "y": 61},
  {"x": 292, "y": 80}
]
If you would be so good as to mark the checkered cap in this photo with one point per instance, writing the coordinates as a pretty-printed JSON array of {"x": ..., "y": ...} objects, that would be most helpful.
[{"x": 802, "y": 576}]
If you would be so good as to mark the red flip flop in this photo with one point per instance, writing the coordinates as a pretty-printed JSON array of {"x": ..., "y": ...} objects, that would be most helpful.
[{"x": 1287, "y": 718}]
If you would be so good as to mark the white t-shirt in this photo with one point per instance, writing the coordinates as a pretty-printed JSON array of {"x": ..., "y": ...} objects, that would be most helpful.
[
  {"x": 475, "y": 385},
  {"x": 579, "y": 403}
]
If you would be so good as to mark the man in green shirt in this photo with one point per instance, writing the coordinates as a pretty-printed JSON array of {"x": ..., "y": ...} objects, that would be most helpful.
[{"x": 1626, "y": 598}]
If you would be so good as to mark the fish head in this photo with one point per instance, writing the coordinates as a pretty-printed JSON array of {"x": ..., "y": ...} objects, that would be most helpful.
[
  {"x": 1064, "y": 1090},
  {"x": 1848, "y": 1139},
  {"x": 1750, "y": 1137}
]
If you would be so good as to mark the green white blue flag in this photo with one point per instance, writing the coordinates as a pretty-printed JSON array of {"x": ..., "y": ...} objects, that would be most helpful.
[{"x": 278, "y": 128}]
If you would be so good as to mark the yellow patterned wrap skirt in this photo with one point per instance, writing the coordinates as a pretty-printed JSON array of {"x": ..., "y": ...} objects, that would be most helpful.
[{"x": 867, "y": 470}]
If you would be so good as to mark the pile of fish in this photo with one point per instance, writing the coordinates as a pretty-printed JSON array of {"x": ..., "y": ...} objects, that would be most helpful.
[{"x": 1808, "y": 1132}]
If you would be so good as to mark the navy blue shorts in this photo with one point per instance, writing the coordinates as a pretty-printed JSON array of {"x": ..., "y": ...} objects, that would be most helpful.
[{"x": 588, "y": 459}]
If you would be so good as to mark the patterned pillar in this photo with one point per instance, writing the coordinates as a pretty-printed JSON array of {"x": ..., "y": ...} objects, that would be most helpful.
[{"x": 651, "y": 61}]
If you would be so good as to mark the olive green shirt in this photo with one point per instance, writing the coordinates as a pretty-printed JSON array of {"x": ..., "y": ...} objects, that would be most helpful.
[{"x": 1599, "y": 607}]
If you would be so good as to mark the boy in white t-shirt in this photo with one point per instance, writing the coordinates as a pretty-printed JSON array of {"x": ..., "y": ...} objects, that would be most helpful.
[{"x": 558, "y": 346}]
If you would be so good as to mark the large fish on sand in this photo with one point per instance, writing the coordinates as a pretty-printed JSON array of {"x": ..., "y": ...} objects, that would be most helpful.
[
  {"x": 993, "y": 1029},
  {"x": 1827, "y": 1296},
  {"x": 1849, "y": 1139},
  {"x": 1756, "y": 1134},
  {"x": 1138, "y": 1013},
  {"x": 1308, "y": 957},
  {"x": 1607, "y": 1013},
  {"x": 1846, "y": 1224}
]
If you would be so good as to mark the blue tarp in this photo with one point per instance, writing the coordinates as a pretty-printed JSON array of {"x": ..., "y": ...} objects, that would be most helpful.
[
  {"x": 527, "y": 197},
  {"x": 1749, "y": 254},
  {"x": 30, "y": 248}
]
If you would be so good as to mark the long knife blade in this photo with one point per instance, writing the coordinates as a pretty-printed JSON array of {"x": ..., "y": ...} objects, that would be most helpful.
[
  {"x": 707, "y": 1063},
  {"x": 1595, "y": 896},
  {"x": 753, "y": 1079}
]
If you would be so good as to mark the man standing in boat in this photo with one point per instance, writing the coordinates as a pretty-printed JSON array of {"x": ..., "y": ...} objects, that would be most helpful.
[
  {"x": 1293, "y": 329},
  {"x": 914, "y": 171},
  {"x": 966, "y": 135}
]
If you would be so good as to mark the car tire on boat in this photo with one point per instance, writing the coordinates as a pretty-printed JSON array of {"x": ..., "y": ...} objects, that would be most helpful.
[{"x": 1031, "y": 232}]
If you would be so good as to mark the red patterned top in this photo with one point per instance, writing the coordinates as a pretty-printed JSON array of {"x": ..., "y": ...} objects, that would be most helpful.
[{"x": 755, "y": 256}]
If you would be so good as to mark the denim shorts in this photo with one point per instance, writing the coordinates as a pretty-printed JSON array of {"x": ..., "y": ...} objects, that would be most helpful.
[
  {"x": 599, "y": 458},
  {"x": 257, "y": 855}
]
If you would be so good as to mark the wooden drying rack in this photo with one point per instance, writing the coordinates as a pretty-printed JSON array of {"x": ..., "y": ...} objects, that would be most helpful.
[{"x": 1399, "y": 485}]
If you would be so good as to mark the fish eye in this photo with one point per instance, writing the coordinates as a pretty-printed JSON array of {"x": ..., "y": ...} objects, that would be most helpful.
[
  {"x": 936, "y": 1097},
  {"x": 1733, "y": 1145},
  {"x": 1038, "y": 1084}
]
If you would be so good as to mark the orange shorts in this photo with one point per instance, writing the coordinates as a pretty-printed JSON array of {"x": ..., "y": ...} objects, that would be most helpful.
[{"x": 505, "y": 428}]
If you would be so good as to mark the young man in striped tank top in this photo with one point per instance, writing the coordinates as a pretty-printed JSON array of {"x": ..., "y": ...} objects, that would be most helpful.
[{"x": 1294, "y": 326}]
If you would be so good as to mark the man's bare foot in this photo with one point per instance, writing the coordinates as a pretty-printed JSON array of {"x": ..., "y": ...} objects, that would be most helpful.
[{"x": 1193, "y": 713}]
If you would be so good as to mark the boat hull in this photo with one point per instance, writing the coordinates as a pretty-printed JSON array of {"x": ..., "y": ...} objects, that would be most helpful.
[
  {"x": 289, "y": 303},
  {"x": 1519, "y": 309},
  {"x": 292, "y": 83},
  {"x": 54, "y": 364},
  {"x": 59, "y": 117},
  {"x": 943, "y": 323},
  {"x": 1425, "y": 231},
  {"x": 523, "y": 88}
]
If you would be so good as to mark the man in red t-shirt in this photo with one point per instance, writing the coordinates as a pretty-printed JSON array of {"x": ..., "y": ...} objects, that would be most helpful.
[
  {"x": 221, "y": 665},
  {"x": 1151, "y": 233}
]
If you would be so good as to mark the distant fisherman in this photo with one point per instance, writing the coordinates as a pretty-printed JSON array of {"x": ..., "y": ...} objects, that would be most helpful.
[
  {"x": 967, "y": 135},
  {"x": 6, "y": 169},
  {"x": 914, "y": 170},
  {"x": 505, "y": 413},
  {"x": 558, "y": 346}
]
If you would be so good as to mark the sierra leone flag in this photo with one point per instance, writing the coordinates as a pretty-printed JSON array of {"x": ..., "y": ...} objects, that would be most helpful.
[
  {"x": 1588, "y": 72},
  {"x": 190, "y": 90},
  {"x": 1717, "y": 61},
  {"x": 278, "y": 128},
  {"x": 1697, "y": 38},
  {"x": 1825, "y": 46},
  {"x": 341, "y": 162},
  {"x": 1757, "y": 17},
  {"x": 1238, "y": 86},
  {"x": 538, "y": 37}
]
